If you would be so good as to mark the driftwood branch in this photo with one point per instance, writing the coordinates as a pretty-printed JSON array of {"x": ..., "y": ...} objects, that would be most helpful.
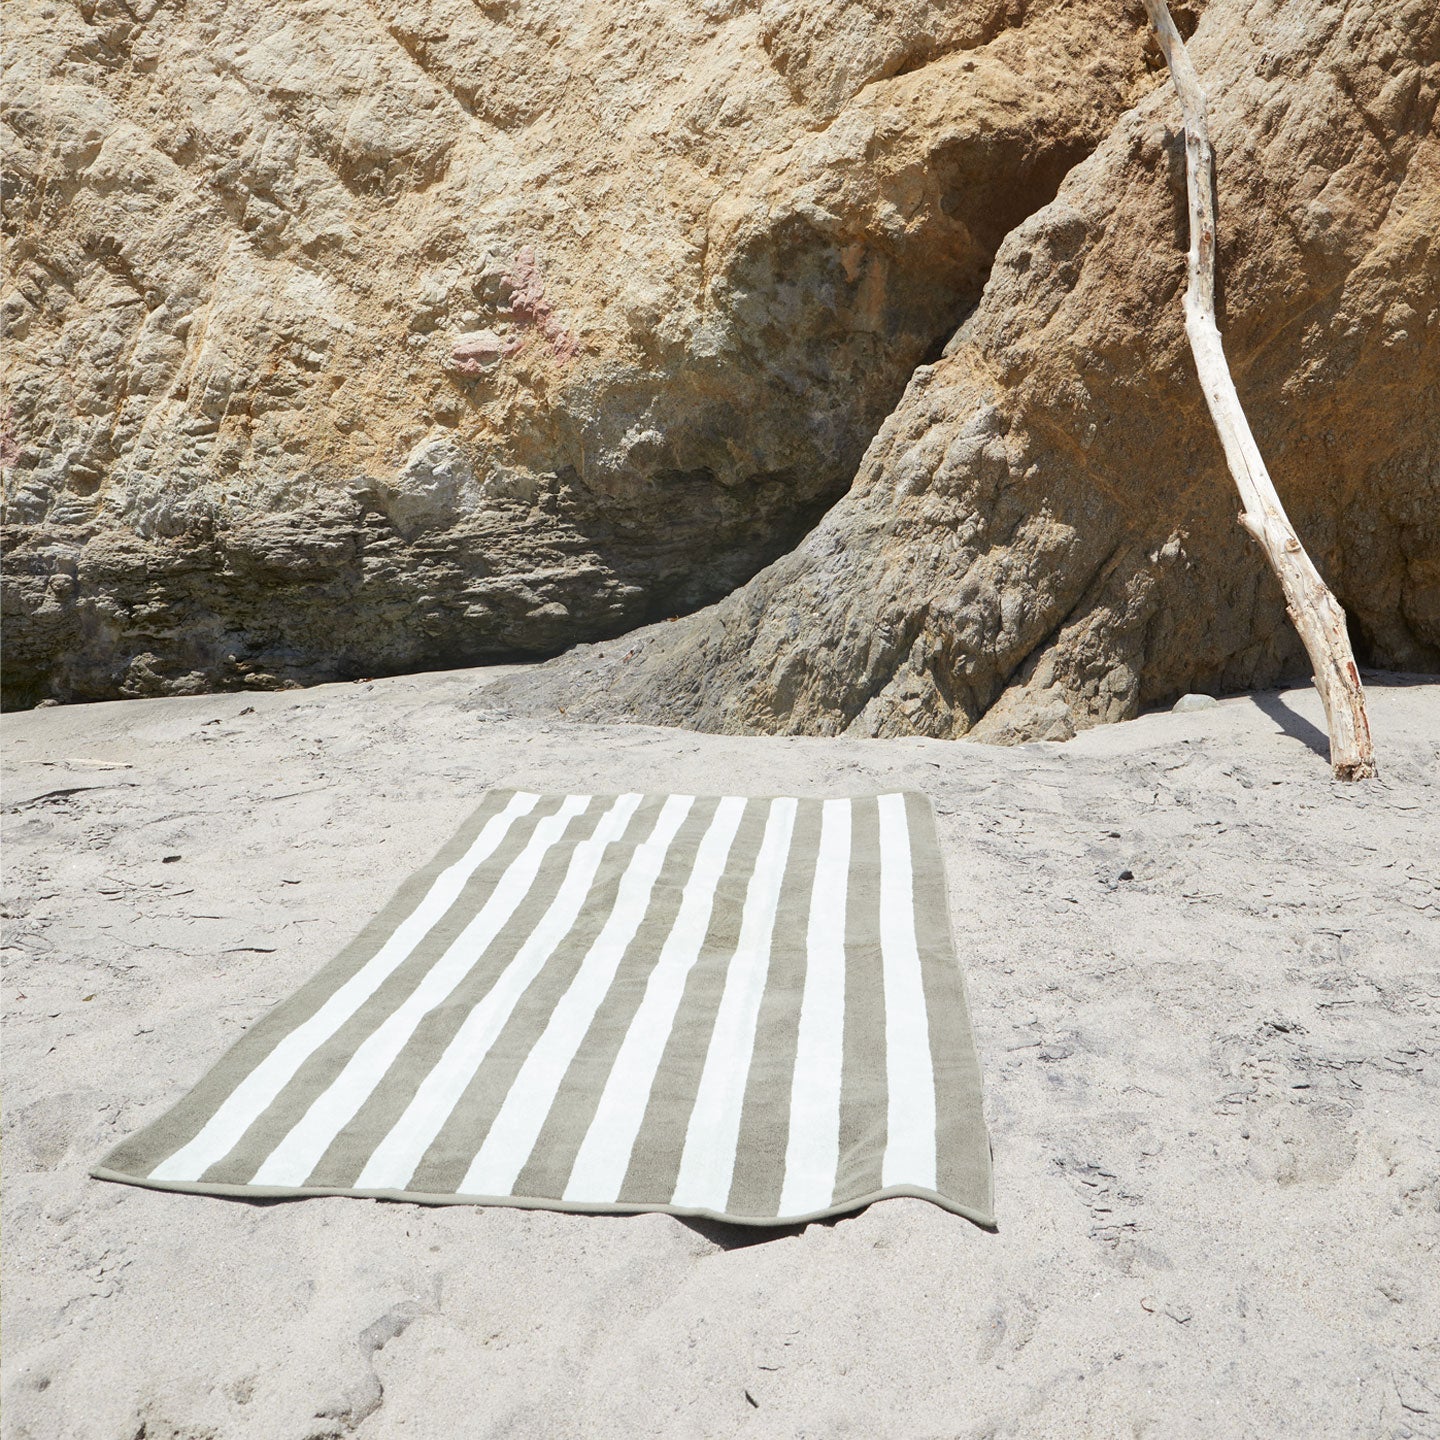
[{"x": 1316, "y": 613}]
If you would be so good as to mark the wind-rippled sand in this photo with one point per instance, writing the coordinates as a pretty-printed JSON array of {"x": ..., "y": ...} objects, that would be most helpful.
[{"x": 1206, "y": 990}]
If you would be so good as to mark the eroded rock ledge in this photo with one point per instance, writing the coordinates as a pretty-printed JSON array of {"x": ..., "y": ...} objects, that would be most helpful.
[{"x": 347, "y": 338}]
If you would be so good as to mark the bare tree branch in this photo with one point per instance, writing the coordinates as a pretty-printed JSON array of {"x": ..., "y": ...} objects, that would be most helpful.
[{"x": 1316, "y": 613}]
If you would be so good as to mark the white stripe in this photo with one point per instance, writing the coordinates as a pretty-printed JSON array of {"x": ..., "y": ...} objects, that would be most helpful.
[
  {"x": 297, "y": 1154},
  {"x": 249, "y": 1099},
  {"x": 812, "y": 1155},
  {"x": 512, "y": 1137},
  {"x": 707, "y": 1165},
  {"x": 910, "y": 1081},
  {"x": 393, "y": 1164},
  {"x": 604, "y": 1155}
]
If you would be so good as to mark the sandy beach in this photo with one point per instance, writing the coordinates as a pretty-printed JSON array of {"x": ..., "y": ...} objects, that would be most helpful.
[{"x": 1205, "y": 980}]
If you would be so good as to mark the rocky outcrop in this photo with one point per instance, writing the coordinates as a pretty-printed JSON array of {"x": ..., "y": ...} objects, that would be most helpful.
[
  {"x": 1042, "y": 536},
  {"x": 351, "y": 337}
]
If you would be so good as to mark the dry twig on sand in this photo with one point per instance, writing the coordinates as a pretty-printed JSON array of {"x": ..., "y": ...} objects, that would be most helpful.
[{"x": 1316, "y": 613}]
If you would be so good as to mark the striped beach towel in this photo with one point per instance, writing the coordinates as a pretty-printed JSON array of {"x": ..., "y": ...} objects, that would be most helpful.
[{"x": 748, "y": 1009}]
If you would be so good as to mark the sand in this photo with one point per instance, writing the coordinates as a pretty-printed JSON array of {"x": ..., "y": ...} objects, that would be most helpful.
[{"x": 1206, "y": 991}]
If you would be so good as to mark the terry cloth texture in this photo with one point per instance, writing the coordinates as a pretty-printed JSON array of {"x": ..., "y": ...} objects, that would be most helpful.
[{"x": 749, "y": 1009}]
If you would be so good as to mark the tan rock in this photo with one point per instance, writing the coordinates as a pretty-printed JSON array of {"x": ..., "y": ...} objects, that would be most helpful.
[
  {"x": 1042, "y": 535},
  {"x": 261, "y": 253}
]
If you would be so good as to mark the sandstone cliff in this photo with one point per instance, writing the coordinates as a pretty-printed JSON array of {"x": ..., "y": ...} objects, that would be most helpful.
[
  {"x": 1042, "y": 536},
  {"x": 349, "y": 337}
]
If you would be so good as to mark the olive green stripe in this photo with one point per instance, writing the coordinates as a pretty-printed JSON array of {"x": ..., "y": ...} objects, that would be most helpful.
[
  {"x": 765, "y": 1118},
  {"x": 864, "y": 1093},
  {"x": 962, "y": 1151}
]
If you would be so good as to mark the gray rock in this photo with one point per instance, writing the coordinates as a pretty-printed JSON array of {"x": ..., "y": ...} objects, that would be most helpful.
[{"x": 1188, "y": 704}]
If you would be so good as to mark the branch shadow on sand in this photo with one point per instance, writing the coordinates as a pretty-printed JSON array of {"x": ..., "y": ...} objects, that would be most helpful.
[{"x": 1272, "y": 704}]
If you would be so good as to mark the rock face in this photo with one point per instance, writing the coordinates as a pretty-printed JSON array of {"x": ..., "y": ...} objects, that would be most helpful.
[
  {"x": 1042, "y": 536},
  {"x": 347, "y": 337}
]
